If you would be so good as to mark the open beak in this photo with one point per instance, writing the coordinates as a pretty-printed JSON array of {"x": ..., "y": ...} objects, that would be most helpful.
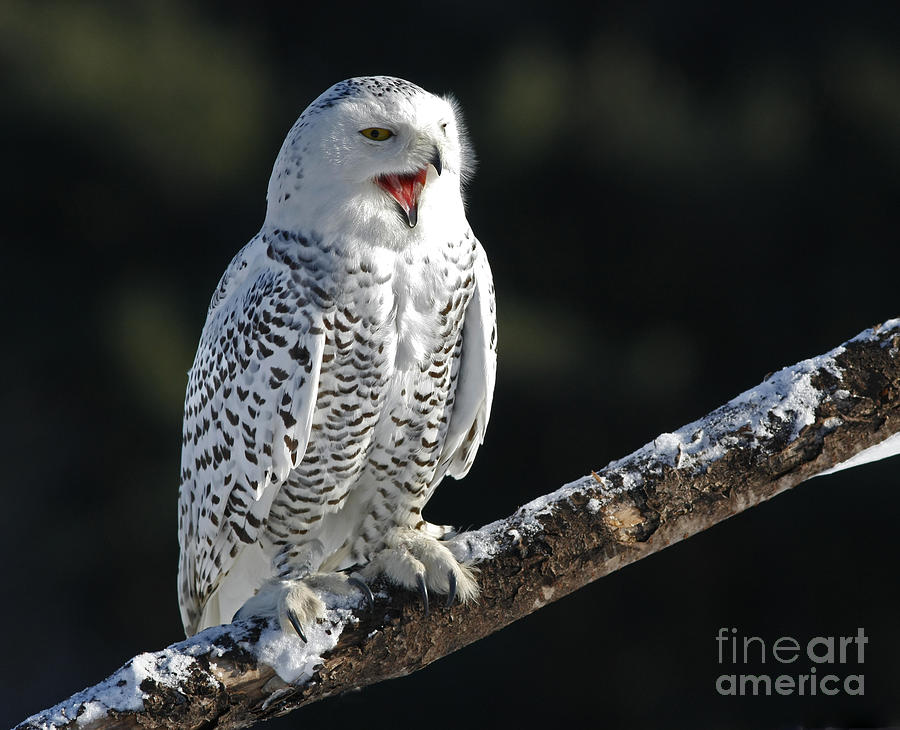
[{"x": 406, "y": 189}]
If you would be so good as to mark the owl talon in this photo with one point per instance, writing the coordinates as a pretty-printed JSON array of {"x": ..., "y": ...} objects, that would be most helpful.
[
  {"x": 366, "y": 591},
  {"x": 423, "y": 591},
  {"x": 451, "y": 591},
  {"x": 295, "y": 622}
]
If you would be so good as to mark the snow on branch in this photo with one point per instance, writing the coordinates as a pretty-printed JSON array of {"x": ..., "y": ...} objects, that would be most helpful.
[{"x": 832, "y": 411}]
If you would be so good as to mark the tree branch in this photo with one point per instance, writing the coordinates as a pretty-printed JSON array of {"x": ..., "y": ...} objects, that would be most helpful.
[{"x": 797, "y": 424}]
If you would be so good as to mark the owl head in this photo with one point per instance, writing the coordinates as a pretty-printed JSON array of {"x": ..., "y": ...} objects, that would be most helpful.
[{"x": 374, "y": 150}]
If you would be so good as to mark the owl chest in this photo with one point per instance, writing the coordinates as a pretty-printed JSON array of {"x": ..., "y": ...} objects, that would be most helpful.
[
  {"x": 390, "y": 357},
  {"x": 404, "y": 307}
]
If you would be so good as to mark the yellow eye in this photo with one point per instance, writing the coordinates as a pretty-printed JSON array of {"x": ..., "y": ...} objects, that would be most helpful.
[{"x": 379, "y": 134}]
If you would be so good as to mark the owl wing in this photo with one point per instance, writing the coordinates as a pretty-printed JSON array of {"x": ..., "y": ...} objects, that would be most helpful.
[
  {"x": 248, "y": 413},
  {"x": 476, "y": 376}
]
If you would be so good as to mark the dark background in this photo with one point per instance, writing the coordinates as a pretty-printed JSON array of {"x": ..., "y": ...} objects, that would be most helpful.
[{"x": 676, "y": 199}]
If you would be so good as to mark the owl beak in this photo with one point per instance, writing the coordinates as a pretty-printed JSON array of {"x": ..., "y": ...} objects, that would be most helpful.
[
  {"x": 405, "y": 189},
  {"x": 435, "y": 161}
]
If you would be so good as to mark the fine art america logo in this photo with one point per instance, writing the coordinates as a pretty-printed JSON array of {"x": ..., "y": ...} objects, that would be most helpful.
[{"x": 821, "y": 665}]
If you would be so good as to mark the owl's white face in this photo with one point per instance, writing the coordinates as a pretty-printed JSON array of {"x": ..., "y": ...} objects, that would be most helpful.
[{"x": 383, "y": 151}]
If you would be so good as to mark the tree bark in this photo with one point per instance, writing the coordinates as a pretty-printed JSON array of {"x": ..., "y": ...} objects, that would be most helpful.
[{"x": 798, "y": 423}]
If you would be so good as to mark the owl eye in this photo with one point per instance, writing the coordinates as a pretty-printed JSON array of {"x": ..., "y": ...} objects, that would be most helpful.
[{"x": 379, "y": 134}]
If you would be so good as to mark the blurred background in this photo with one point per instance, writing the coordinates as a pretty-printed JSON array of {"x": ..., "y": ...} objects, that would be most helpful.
[{"x": 676, "y": 199}]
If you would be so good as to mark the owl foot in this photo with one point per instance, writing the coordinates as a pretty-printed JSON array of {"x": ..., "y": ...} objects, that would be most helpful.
[
  {"x": 415, "y": 560},
  {"x": 297, "y": 603}
]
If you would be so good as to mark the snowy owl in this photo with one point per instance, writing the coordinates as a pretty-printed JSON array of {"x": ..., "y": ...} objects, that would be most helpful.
[{"x": 346, "y": 366}]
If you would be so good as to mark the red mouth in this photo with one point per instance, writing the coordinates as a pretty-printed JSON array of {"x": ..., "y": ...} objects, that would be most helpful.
[{"x": 405, "y": 189}]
